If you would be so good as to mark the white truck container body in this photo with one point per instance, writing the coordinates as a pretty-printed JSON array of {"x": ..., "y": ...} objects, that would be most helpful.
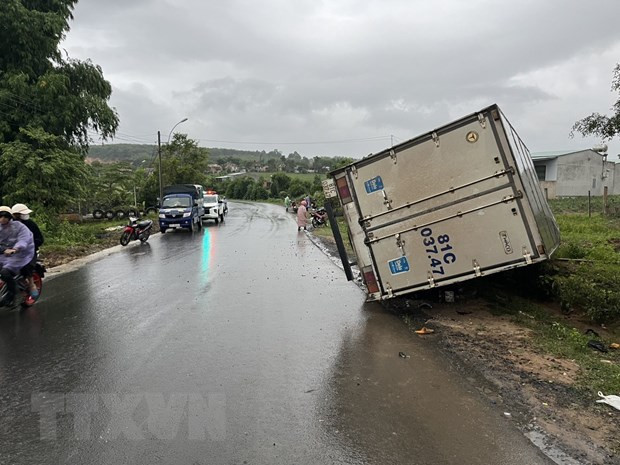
[{"x": 453, "y": 204}]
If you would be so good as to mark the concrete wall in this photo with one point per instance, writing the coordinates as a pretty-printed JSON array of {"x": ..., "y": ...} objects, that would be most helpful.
[
  {"x": 581, "y": 172},
  {"x": 548, "y": 188},
  {"x": 616, "y": 188}
]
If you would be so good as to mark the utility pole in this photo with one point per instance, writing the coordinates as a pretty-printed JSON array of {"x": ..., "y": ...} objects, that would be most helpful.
[{"x": 161, "y": 187}]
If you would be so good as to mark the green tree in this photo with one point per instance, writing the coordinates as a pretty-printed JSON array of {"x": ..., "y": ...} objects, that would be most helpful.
[
  {"x": 47, "y": 102},
  {"x": 111, "y": 185},
  {"x": 183, "y": 162},
  {"x": 339, "y": 162},
  {"x": 299, "y": 188},
  {"x": 42, "y": 170},
  {"x": 240, "y": 188},
  {"x": 606, "y": 127},
  {"x": 279, "y": 182}
]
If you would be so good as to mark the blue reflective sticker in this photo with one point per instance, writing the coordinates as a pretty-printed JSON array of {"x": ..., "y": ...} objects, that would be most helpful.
[
  {"x": 399, "y": 265},
  {"x": 374, "y": 185}
]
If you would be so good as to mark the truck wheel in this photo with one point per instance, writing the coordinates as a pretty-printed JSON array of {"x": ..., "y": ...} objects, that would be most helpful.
[
  {"x": 98, "y": 214},
  {"x": 217, "y": 220},
  {"x": 163, "y": 230},
  {"x": 120, "y": 214},
  {"x": 133, "y": 213},
  {"x": 191, "y": 227},
  {"x": 151, "y": 210},
  {"x": 110, "y": 214}
]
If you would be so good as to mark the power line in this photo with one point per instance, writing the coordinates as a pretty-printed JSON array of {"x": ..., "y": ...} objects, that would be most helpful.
[{"x": 343, "y": 141}]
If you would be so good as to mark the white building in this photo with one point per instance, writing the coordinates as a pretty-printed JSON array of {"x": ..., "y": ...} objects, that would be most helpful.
[{"x": 575, "y": 173}]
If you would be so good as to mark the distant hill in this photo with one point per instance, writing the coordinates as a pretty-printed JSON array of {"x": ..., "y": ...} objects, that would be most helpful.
[{"x": 135, "y": 153}]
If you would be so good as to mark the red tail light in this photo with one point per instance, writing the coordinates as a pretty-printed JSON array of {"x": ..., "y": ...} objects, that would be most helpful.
[
  {"x": 370, "y": 280},
  {"x": 343, "y": 190}
]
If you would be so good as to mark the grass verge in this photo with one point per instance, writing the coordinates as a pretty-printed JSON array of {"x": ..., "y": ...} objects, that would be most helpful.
[
  {"x": 598, "y": 371},
  {"x": 587, "y": 263},
  {"x": 66, "y": 241}
]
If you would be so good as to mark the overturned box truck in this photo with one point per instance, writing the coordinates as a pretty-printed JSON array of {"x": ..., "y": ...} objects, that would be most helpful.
[{"x": 456, "y": 203}]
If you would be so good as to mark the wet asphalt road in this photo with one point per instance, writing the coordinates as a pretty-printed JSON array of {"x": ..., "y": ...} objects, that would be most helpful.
[{"x": 238, "y": 344}]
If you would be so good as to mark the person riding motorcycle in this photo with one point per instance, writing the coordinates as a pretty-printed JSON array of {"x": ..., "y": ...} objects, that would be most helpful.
[
  {"x": 17, "y": 246},
  {"x": 22, "y": 213}
]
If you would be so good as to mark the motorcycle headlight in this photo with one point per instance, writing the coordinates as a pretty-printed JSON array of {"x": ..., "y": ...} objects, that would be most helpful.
[
  {"x": 161, "y": 215},
  {"x": 187, "y": 214}
]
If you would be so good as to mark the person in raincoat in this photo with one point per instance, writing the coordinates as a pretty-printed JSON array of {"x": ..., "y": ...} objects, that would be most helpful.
[
  {"x": 17, "y": 251},
  {"x": 287, "y": 203},
  {"x": 301, "y": 216},
  {"x": 22, "y": 213}
]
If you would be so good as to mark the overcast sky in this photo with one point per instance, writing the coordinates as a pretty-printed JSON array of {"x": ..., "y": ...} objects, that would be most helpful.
[{"x": 341, "y": 77}]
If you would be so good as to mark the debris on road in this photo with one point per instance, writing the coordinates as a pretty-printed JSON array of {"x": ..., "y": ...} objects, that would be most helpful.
[
  {"x": 403, "y": 355},
  {"x": 614, "y": 345},
  {"x": 424, "y": 330},
  {"x": 612, "y": 400}
]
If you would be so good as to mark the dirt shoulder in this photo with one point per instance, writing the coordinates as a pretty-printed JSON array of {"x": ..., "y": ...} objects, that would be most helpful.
[
  {"x": 537, "y": 389},
  {"x": 503, "y": 359}
]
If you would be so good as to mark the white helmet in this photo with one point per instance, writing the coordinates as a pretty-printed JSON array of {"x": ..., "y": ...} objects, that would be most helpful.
[
  {"x": 21, "y": 209},
  {"x": 5, "y": 211}
]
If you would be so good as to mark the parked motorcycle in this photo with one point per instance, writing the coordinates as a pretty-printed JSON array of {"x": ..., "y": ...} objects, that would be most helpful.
[
  {"x": 319, "y": 217},
  {"x": 136, "y": 230},
  {"x": 22, "y": 291}
]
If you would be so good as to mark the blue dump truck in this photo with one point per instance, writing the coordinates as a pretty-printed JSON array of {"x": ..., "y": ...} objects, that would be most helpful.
[{"x": 181, "y": 207}]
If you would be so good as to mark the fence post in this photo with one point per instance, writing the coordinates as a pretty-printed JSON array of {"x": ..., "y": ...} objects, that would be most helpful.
[
  {"x": 589, "y": 205},
  {"x": 605, "y": 206}
]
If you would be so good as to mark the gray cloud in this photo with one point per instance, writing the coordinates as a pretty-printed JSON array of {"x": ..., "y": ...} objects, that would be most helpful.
[{"x": 306, "y": 71}]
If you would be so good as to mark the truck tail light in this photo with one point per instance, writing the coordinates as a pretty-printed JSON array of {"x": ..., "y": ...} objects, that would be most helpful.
[
  {"x": 343, "y": 190},
  {"x": 370, "y": 280}
]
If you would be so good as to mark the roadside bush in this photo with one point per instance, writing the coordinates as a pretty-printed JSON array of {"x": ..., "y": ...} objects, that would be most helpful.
[
  {"x": 593, "y": 287},
  {"x": 571, "y": 250},
  {"x": 58, "y": 232},
  {"x": 299, "y": 188},
  {"x": 257, "y": 192},
  {"x": 238, "y": 188}
]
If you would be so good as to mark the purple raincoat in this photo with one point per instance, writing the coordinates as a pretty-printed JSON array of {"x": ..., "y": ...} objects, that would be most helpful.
[{"x": 15, "y": 235}]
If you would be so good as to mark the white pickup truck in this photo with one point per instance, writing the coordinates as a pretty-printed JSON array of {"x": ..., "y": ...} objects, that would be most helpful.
[
  {"x": 456, "y": 203},
  {"x": 213, "y": 207}
]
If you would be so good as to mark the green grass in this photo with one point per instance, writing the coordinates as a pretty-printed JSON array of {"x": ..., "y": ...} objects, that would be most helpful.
[
  {"x": 326, "y": 232},
  {"x": 596, "y": 238},
  {"x": 562, "y": 340},
  {"x": 589, "y": 281},
  {"x": 580, "y": 204},
  {"x": 65, "y": 234}
]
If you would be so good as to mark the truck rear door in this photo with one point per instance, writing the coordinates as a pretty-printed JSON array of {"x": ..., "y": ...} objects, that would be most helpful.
[{"x": 444, "y": 207}]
